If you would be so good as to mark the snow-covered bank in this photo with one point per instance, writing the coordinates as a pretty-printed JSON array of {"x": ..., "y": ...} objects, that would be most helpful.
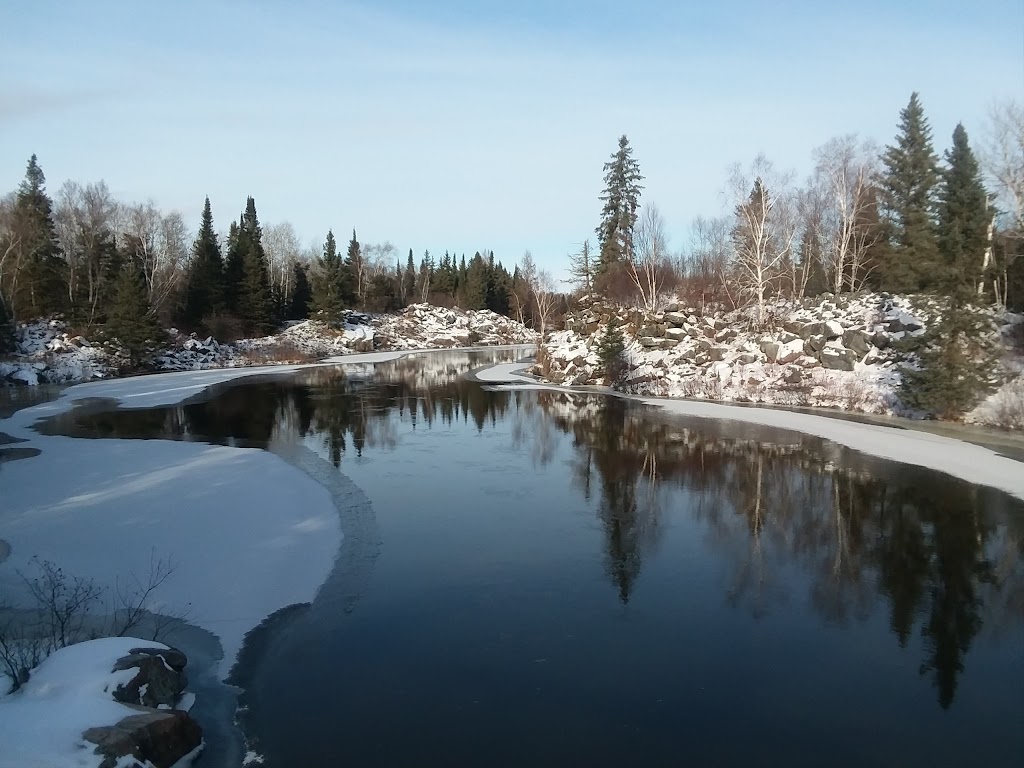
[
  {"x": 235, "y": 520},
  {"x": 842, "y": 352},
  {"x": 958, "y": 458},
  {"x": 47, "y": 351},
  {"x": 41, "y": 725}
]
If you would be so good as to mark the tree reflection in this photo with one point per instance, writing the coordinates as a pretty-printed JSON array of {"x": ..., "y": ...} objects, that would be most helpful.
[{"x": 937, "y": 552}]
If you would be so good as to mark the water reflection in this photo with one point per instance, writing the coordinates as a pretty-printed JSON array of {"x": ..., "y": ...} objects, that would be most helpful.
[
  {"x": 790, "y": 518},
  {"x": 937, "y": 552}
]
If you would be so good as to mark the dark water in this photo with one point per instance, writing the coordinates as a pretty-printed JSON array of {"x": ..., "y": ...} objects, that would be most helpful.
[{"x": 556, "y": 580}]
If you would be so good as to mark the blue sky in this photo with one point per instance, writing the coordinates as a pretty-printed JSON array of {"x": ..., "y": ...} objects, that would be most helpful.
[{"x": 463, "y": 125}]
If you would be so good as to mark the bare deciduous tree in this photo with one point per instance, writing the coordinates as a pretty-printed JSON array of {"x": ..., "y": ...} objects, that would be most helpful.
[
  {"x": 844, "y": 169},
  {"x": 648, "y": 263},
  {"x": 545, "y": 299},
  {"x": 764, "y": 229},
  {"x": 707, "y": 262},
  {"x": 1002, "y": 158}
]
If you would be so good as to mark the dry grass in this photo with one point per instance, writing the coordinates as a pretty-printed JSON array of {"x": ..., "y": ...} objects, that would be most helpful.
[{"x": 279, "y": 353}]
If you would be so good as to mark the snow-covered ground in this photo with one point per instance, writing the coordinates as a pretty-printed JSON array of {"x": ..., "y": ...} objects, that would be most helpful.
[
  {"x": 842, "y": 352},
  {"x": 41, "y": 725},
  {"x": 250, "y": 533},
  {"x": 958, "y": 458},
  {"x": 48, "y": 352}
]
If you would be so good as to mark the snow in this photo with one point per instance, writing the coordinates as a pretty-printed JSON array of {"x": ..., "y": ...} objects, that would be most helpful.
[
  {"x": 966, "y": 461},
  {"x": 41, "y": 724},
  {"x": 504, "y": 372},
  {"x": 250, "y": 533}
]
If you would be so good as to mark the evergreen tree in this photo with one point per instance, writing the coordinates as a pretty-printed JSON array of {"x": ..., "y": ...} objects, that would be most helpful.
[
  {"x": 328, "y": 298},
  {"x": 956, "y": 355},
  {"x": 355, "y": 290},
  {"x": 204, "y": 278},
  {"x": 812, "y": 265},
  {"x": 581, "y": 269},
  {"x": 410, "y": 280},
  {"x": 130, "y": 318},
  {"x": 255, "y": 305},
  {"x": 621, "y": 198},
  {"x": 233, "y": 267},
  {"x": 302, "y": 293},
  {"x": 611, "y": 351},
  {"x": 475, "y": 294},
  {"x": 908, "y": 198},
  {"x": 7, "y": 337},
  {"x": 41, "y": 289}
]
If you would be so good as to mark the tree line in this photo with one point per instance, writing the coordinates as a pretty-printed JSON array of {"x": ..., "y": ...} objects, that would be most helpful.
[
  {"x": 896, "y": 219},
  {"x": 131, "y": 270}
]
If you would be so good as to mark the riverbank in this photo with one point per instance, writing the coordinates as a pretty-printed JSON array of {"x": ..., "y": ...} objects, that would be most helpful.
[{"x": 903, "y": 440}]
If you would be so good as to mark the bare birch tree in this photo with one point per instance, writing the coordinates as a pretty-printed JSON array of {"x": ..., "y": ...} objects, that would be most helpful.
[
  {"x": 1002, "y": 158},
  {"x": 844, "y": 169},
  {"x": 764, "y": 229},
  {"x": 648, "y": 263},
  {"x": 545, "y": 298}
]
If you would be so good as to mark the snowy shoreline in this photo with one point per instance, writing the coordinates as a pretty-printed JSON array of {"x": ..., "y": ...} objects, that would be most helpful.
[{"x": 961, "y": 459}]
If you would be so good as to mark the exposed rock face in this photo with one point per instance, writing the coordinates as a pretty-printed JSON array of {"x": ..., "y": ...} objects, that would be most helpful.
[
  {"x": 160, "y": 679},
  {"x": 158, "y": 738}
]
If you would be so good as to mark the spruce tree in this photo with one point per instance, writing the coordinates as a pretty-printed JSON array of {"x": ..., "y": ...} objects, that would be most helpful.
[
  {"x": 254, "y": 303},
  {"x": 233, "y": 267},
  {"x": 302, "y": 294},
  {"x": 908, "y": 188},
  {"x": 611, "y": 353},
  {"x": 581, "y": 268},
  {"x": 130, "y": 318},
  {"x": 204, "y": 278},
  {"x": 621, "y": 198},
  {"x": 354, "y": 273},
  {"x": 956, "y": 355},
  {"x": 409, "y": 277},
  {"x": 42, "y": 288},
  {"x": 329, "y": 284}
]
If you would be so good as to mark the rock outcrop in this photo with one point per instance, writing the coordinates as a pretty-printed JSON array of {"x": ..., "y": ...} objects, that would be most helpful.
[{"x": 159, "y": 680}]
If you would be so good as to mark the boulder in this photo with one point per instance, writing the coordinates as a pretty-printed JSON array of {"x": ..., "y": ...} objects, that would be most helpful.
[
  {"x": 672, "y": 306},
  {"x": 790, "y": 351},
  {"x": 692, "y": 331},
  {"x": 151, "y": 738},
  {"x": 675, "y": 319},
  {"x": 654, "y": 329},
  {"x": 838, "y": 359},
  {"x": 880, "y": 340},
  {"x": 794, "y": 327},
  {"x": 814, "y": 345},
  {"x": 792, "y": 375},
  {"x": 771, "y": 349},
  {"x": 897, "y": 325},
  {"x": 160, "y": 679},
  {"x": 718, "y": 353},
  {"x": 833, "y": 330},
  {"x": 745, "y": 358},
  {"x": 785, "y": 337},
  {"x": 677, "y": 334},
  {"x": 725, "y": 335},
  {"x": 648, "y": 341},
  {"x": 858, "y": 341}
]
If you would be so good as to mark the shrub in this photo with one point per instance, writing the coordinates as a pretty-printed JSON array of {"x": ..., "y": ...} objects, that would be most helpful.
[{"x": 611, "y": 352}]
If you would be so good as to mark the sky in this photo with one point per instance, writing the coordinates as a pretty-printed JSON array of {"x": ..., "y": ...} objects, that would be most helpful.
[{"x": 460, "y": 125}]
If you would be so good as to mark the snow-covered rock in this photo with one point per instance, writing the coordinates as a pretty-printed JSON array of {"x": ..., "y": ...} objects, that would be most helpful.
[
  {"x": 831, "y": 351},
  {"x": 45, "y": 352}
]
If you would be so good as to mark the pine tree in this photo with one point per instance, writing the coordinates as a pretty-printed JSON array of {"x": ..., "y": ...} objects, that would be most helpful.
[
  {"x": 302, "y": 294},
  {"x": 204, "y": 279},
  {"x": 328, "y": 286},
  {"x": 409, "y": 277},
  {"x": 355, "y": 288},
  {"x": 475, "y": 294},
  {"x": 6, "y": 328},
  {"x": 611, "y": 354},
  {"x": 255, "y": 304},
  {"x": 908, "y": 199},
  {"x": 581, "y": 269},
  {"x": 41, "y": 289},
  {"x": 956, "y": 356},
  {"x": 130, "y": 318},
  {"x": 621, "y": 198},
  {"x": 233, "y": 267}
]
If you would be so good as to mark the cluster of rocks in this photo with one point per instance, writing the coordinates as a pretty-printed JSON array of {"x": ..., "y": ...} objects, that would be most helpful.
[
  {"x": 672, "y": 351},
  {"x": 422, "y": 326},
  {"x": 46, "y": 352},
  {"x": 160, "y": 733}
]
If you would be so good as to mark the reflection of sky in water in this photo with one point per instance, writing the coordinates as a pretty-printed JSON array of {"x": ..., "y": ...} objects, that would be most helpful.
[{"x": 570, "y": 580}]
